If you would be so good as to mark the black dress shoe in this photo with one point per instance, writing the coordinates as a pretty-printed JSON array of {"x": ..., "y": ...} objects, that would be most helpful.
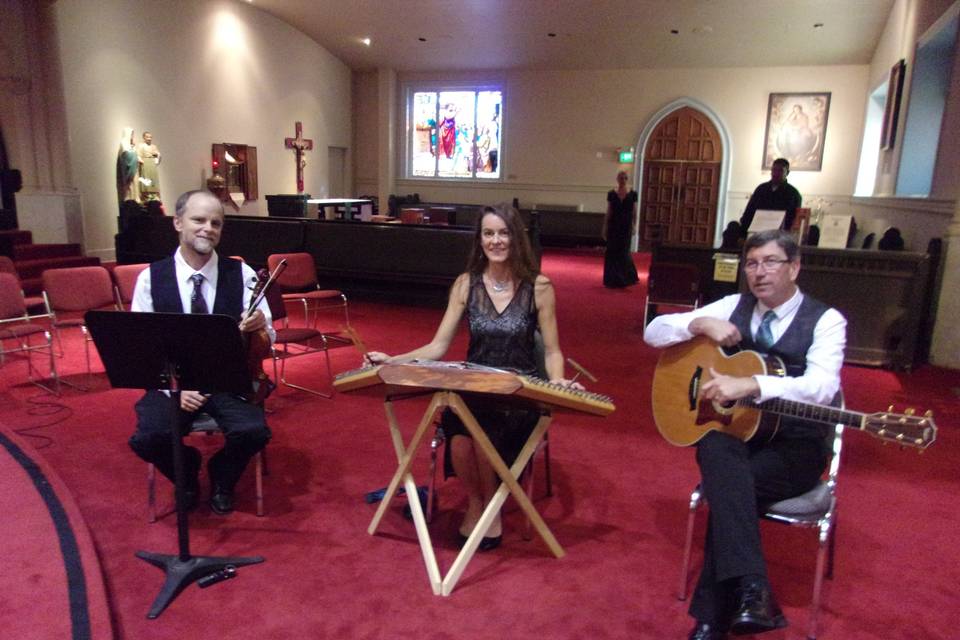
[
  {"x": 705, "y": 631},
  {"x": 489, "y": 544},
  {"x": 757, "y": 611},
  {"x": 486, "y": 544},
  {"x": 221, "y": 501}
]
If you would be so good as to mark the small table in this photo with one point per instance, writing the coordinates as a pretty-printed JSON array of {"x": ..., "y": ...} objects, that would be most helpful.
[{"x": 347, "y": 202}]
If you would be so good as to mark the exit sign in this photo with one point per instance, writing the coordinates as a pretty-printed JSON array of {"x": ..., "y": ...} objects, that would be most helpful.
[{"x": 626, "y": 157}]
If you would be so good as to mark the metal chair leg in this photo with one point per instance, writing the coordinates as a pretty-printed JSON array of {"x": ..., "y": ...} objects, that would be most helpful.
[
  {"x": 826, "y": 531},
  {"x": 688, "y": 544},
  {"x": 435, "y": 443}
]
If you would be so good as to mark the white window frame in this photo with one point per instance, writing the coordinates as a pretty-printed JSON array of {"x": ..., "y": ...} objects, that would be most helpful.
[{"x": 407, "y": 149}]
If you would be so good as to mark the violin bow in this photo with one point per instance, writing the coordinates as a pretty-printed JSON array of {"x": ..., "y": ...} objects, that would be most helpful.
[{"x": 262, "y": 291}]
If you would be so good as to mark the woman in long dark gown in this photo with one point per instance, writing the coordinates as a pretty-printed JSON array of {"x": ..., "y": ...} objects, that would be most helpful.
[
  {"x": 505, "y": 301},
  {"x": 618, "y": 227}
]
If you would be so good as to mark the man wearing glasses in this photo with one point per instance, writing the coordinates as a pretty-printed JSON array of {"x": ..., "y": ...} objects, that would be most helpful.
[{"x": 733, "y": 594}]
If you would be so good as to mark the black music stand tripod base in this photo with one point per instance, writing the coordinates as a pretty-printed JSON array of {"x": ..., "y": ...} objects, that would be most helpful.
[{"x": 181, "y": 573}]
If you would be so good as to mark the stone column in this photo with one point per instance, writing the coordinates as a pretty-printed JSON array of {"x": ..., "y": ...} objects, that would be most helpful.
[
  {"x": 945, "y": 349},
  {"x": 32, "y": 103},
  {"x": 387, "y": 132}
]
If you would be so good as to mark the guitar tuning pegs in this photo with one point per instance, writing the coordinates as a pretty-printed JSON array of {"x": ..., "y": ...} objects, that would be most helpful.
[
  {"x": 910, "y": 411},
  {"x": 890, "y": 409},
  {"x": 928, "y": 413}
]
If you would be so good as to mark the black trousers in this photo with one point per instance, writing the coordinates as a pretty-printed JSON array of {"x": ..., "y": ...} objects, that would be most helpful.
[
  {"x": 243, "y": 424},
  {"x": 737, "y": 480}
]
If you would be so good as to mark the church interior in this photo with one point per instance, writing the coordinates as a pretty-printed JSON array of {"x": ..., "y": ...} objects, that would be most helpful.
[{"x": 400, "y": 121}]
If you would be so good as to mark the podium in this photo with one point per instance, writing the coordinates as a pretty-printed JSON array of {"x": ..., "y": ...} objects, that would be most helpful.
[
  {"x": 174, "y": 351},
  {"x": 445, "y": 382}
]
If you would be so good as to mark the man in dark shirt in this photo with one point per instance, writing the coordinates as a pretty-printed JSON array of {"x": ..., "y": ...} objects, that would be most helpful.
[{"x": 776, "y": 195}]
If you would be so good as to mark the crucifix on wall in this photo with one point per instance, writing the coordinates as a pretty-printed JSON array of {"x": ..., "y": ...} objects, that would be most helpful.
[{"x": 299, "y": 145}]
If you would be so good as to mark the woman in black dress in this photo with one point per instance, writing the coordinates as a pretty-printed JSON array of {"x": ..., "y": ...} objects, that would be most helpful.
[
  {"x": 618, "y": 227},
  {"x": 505, "y": 301}
]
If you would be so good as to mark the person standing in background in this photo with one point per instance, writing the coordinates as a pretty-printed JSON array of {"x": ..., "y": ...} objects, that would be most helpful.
[{"x": 619, "y": 225}]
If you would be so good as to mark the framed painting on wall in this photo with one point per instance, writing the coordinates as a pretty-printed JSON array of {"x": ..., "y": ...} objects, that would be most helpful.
[
  {"x": 796, "y": 129},
  {"x": 891, "y": 110}
]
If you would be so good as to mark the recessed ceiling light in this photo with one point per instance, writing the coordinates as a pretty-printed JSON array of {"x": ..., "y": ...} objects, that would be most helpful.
[
  {"x": 818, "y": 25},
  {"x": 422, "y": 39},
  {"x": 674, "y": 31},
  {"x": 365, "y": 41},
  {"x": 552, "y": 35}
]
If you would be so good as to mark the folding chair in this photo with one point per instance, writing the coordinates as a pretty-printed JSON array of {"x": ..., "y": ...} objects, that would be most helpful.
[
  {"x": 291, "y": 342},
  {"x": 71, "y": 292},
  {"x": 204, "y": 424},
  {"x": 124, "y": 282},
  {"x": 815, "y": 509},
  {"x": 18, "y": 328},
  {"x": 35, "y": 304},
  {"x": 298, "y": 283}
]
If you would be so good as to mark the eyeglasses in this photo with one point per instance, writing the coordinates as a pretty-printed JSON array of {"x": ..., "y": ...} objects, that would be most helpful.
[{"x": 768, "y": 264}]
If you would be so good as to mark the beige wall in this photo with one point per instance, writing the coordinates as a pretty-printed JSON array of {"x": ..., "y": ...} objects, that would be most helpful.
[
  {"x": 193, "y": 73},
  {"x": 561, "y": 128}
]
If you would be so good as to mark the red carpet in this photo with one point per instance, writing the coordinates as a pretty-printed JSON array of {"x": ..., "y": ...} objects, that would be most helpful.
[
  {"x": 619, "y": 508},
  {"x": 51, "y": 581}
]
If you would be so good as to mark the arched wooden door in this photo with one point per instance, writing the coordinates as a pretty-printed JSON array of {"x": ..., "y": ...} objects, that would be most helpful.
[{"x": 681, "y": 180}]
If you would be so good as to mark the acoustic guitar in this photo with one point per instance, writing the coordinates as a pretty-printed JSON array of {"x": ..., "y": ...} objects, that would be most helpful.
[{"x": 682, "y": 417}]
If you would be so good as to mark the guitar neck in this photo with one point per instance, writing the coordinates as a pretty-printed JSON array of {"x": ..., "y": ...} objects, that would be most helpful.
[
  {"x": 904, "y": 429},
  {"x": 809, "y": 411}
]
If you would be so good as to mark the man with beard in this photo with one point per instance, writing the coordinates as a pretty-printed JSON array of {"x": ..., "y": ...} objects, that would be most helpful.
[{"x": 196, "y": 280}]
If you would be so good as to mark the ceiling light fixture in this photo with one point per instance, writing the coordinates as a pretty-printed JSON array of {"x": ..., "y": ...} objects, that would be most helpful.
[
  {"x": 818, "y": 25},
  {"x": 422, "y": 39},
  {"x": 365, "y": 41},
  {"x": 675, "y": 31},
  {"x": 552, "y": 35}
]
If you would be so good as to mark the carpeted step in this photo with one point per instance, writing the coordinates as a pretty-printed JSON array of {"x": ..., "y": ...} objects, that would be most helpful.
[
  {"x": 30, "y": 271},
  {"x": 39, "y": 251}
]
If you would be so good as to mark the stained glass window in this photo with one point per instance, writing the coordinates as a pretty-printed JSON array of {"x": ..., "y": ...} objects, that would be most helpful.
[{"x": 456, "y": 134}]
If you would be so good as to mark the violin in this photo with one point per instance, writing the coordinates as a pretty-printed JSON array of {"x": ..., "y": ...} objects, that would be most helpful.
[{"x": 258, "y": 342}]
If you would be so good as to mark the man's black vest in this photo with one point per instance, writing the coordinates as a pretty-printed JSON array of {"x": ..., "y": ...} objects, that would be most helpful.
[
  {"x": 166, "y": 293},
  {"x": 792, "y": 348}
]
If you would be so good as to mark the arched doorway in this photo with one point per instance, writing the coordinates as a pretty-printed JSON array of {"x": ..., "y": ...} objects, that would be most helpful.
[{"x": 680, "y": 176}]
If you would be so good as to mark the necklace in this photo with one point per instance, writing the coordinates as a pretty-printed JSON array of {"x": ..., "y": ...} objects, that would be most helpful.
[{"x": 498, "y": 286}]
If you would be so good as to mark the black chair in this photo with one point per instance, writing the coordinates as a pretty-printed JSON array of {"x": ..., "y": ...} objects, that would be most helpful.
[{"x": 671, "y": 283}]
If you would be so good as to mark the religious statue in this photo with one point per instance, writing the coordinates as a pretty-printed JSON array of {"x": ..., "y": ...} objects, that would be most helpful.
[
  {"x": 127, "y": 165},
  {"x": 148, "y": 156}
]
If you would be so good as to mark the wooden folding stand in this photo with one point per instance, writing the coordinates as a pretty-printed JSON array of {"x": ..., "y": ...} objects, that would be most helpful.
[{"x": 444, "y": 380}]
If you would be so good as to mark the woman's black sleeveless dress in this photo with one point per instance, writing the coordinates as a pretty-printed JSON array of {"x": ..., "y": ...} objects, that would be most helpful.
[
  {"x": 618, "y": 267},
  {"x": 506, "y": 341}
]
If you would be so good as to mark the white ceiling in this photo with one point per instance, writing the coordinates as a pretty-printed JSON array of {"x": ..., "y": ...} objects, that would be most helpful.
[{"x": 598, "y": 34}]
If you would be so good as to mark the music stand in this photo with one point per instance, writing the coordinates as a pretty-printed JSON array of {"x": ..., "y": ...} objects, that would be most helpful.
[{"x": 174, "y": 351}]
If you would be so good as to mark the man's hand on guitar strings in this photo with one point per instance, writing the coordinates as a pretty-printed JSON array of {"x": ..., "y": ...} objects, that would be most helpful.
[{"x": 723, "y": 388}]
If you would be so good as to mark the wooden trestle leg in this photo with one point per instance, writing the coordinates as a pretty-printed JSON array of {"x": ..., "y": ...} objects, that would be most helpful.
[{"x": 509, "y": 485}]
